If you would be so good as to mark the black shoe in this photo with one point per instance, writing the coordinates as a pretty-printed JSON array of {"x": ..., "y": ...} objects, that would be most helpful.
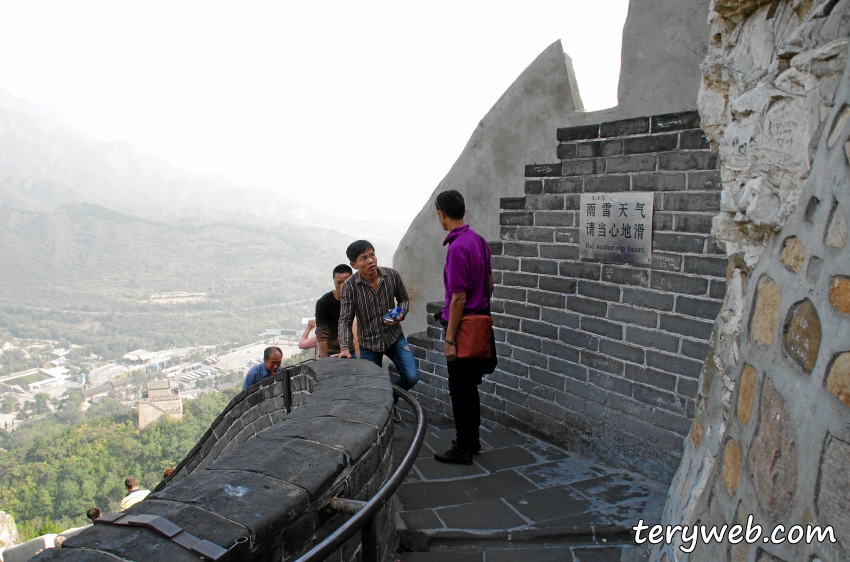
[
  {"x": 455, "y": 456},
  {"x": 475, "y": 448}
]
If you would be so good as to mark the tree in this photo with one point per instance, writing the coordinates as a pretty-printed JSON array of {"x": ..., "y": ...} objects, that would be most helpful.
[
  {"x": 42, "y": 401},
  {"x": 7, "y": 405}
]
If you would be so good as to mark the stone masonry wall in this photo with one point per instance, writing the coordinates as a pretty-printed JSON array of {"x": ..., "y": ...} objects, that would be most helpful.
[
  {"x": 770, "y": 433},
  {"x": 266, "y": 476},
  {"x": 602, "y": 358}
]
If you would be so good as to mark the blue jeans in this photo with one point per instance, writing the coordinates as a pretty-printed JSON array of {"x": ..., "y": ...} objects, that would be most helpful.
[{"x": 401, "y": 356}]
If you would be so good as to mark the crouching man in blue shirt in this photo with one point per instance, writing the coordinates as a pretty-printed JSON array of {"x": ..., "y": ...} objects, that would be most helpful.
[{"x": 272, "y": 358}]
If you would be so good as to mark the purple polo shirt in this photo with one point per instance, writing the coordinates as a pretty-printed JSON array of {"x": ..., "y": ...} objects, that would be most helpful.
[{"x": 467, "y": 269}]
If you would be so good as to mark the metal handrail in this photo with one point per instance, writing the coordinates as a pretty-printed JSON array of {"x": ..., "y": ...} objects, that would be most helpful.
[{"x": 364, "y": 519}]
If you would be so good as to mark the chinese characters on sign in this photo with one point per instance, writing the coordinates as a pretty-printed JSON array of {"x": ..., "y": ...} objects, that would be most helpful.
[{"x": 616, "y": 227}]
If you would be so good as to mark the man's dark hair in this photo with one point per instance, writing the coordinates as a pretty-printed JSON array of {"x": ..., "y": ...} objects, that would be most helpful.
[
  {"x": 130, "y": 483},
  {"x": 93, "y": 513},
  {"x": 268, "y": 351},
  {"x": 451, "y": 202},
  {"x": 357, "y": 248},
  {"x": 343, "y": 269}
]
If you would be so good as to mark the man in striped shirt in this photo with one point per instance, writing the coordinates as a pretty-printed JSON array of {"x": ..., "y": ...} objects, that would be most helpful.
[{"x": 367, "y": 295}]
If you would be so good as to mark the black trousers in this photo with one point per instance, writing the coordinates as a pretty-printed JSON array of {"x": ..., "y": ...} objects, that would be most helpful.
[{"x": 464, "y": 377}]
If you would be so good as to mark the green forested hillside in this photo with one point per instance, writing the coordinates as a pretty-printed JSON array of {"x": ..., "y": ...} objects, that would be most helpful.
[
  {"x": 86, "y": 274},
  {"x": 58, "y": 471}
]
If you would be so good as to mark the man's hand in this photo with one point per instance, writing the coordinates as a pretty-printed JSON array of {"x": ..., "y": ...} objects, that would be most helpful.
[
  {"x": 398, "y": 319},
  {"x": 345, "y": 354},
  {"x": 451, "y": 352}
]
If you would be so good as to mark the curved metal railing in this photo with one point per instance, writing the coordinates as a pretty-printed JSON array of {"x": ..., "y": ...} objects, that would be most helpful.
[{"x": 364, "y": 516}]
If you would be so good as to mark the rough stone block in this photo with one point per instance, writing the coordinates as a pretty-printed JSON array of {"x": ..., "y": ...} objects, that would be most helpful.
[
  {"x": 839, "y": 294},
  {"x": 675, "y": 121},
  {"x": 625, "y": 127},
  {"x": 746, "y": 393},
  {"x": 832, "y": 497},
  {"x": 803, "y": 334},
  {"x": 731, "y": 473},
  {"x": 607, "y": 183},
  {"x": 838, "y": 378},
  {"x": 586, "y": 391},
  {"x": 772, "y": 457},
  {"x": 524, "y": 341},
  {"x": 519, "y": 249},
  {"x": 578, "y": 133},
  {"x": 658, "y": 182},
  {"x": 509, "y": 293},
  {"x": 717, "y": 289}
]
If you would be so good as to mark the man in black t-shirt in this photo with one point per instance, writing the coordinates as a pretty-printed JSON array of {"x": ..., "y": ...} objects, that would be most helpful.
[{"x": 327, "y": 316}]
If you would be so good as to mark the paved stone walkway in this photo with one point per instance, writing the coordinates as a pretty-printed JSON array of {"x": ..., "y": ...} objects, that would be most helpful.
[{"x": 521, "y": 499}]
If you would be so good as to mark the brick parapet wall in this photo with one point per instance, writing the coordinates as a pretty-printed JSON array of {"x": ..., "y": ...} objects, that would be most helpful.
[
  {"x": 603, "y": 358},
  {"x": 267, "y": 476}
]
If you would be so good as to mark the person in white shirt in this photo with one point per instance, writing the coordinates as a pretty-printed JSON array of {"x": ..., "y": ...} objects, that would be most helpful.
[{"x": 134, "y": 494}]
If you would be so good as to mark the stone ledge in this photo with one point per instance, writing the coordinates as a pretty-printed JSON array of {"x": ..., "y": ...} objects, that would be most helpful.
[{"x": 272, "y": 487}]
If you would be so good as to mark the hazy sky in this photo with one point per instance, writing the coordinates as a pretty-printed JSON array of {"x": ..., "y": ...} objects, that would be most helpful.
[{"x": 363, "y": 105}]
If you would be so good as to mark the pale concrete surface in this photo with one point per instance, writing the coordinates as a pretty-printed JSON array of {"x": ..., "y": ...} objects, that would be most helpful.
[
  {"x": 663, "y": 43},
  {"x": 521, "y": 499}
]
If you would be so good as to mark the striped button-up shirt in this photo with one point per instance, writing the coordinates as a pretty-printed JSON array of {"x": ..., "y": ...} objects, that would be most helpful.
[{"x": 359, "y": 299}]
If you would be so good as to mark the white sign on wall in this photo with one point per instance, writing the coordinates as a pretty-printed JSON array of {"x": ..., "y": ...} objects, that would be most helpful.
[{"x": 616, "y": 227}]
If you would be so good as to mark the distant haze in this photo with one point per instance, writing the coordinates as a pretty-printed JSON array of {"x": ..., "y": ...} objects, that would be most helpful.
[{"x": 356, "y": 107}]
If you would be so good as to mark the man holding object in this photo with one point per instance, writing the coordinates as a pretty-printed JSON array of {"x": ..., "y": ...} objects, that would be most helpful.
[{"x": 468, "y": 280}]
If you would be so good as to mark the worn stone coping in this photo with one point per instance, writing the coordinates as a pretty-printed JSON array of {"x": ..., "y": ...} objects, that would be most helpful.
[{"x": 270, "y": 480}]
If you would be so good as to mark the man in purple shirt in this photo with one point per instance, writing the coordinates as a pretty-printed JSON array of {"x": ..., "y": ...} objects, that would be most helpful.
[{"x": 468, "y": 279}]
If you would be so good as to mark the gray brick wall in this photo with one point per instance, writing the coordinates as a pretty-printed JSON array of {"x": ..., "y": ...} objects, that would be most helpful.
[{"x": 602, "y": 357}]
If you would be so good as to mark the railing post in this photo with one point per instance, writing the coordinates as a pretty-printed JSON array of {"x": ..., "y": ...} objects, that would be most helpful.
[
  {"x": 369, "y": 541},
  {"x": 287, "y": 390}
]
